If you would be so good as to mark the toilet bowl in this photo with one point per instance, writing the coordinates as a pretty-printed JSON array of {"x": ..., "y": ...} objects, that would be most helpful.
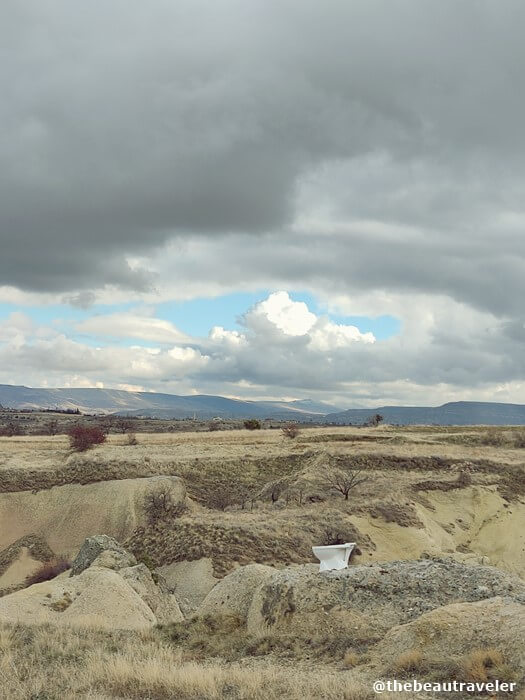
[{"x": 333, "y": 556}]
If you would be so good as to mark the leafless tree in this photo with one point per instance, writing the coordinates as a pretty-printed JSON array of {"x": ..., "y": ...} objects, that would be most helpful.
[
  {"x": 344, "y": 480},
  {"x": 160, "y": 505}
]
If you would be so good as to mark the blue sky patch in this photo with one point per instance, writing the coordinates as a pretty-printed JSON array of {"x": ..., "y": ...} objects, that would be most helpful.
[{"x": 194, "y": 317}]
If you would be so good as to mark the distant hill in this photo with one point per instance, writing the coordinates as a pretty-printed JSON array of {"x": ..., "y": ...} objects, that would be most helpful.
[
  {"x": 454, "y": 413},
  {"x": 159, "y": 405},
  {"x": 156, "y": 405}
]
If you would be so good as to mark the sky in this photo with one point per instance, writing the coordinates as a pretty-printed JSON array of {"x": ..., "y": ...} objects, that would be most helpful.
[{"x": 264, "y": 198}]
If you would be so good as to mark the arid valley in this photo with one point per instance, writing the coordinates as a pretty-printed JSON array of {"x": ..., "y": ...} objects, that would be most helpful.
[{"x": 205, "y": 585}]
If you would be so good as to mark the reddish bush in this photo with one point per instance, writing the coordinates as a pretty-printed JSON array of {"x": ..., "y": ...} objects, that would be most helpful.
[
  {"x": 48, "y": 570},
  {"x": 290, "y": 431},
  {"x": 83, "y": 437}
]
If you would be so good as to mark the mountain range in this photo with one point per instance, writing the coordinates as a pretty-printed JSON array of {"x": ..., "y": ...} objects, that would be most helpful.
[
  {"x": 157, "y": 405},
  {"x": 454, "y": 413},
  {"x": 149, "y": 404}
]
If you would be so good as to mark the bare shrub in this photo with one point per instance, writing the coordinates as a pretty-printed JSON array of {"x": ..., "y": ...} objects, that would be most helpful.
[
  {"x": 214, "y": 425},
  {"x": 493, "y": 437},
  {"x": 291, "y": 430},
  {"x": 123, "y": 425},
  {"x": 132, "y": 439},
  {"x": 252, "y": 424},
  {"x": 83, "y": 437},
  {"x": 464, "y": 475},
  {"x": 160, "y": 505},
  {"x": 49, "y": 570},
  {"x": 344, "y": 480}
]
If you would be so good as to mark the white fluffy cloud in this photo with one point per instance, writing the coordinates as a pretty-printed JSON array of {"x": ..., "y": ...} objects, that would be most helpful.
[
  {"x": 280, "y": 317},
  {"x": 445, "y": 351},
  {"x": 290, "y": 317}
]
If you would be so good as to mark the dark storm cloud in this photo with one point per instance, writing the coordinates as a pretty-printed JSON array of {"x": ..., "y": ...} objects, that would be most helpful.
[{"x": 126, "y": 124}]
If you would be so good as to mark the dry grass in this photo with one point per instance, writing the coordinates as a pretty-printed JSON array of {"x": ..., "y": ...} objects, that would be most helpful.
[
  {"x": 483, "y": 665},
  {"x": 351, "y": 659},
  {"x": 267, "y": 536},
  {"x": 160, "y": 678},
  {"x": 410, "y": 662},
  {"x": 224, "y": 470},
  {"x": 226, "y": 637},
  {"x": 498, "y": 437},
  {"x": 40, "y": 662},
  {"x": 62, "y": 603},
  {"x": 217, "y": 659}
]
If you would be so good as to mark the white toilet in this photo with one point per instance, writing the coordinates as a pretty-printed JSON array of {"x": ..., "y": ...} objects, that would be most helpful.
[{"x": 333, "y": 556}]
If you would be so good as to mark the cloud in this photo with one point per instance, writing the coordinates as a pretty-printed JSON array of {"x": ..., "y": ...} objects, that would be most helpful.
[
  {"x": 326, "y": 336},
  {"x": 445, "y": 350},
  {"x": 177, "y": 150},
  {"x": 289, "y": 317},
  {"x": 279, "y": 318},
  {"x": 130, "y": 325},
  {"x": 340, "y": 141}
]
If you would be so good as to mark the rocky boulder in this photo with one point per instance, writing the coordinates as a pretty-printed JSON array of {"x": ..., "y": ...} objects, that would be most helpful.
[
  {"x": 93, "y": 547},
  {"x": 162, "y": 603},
  {"x": 234, "y": 593},
  {"x": 449, "y": 633},
  {"x": 108, "y": 589},
  {"x": 96, "y": 597},
  {"x": 383, "y": 595},
  {"x": 189, "y": 581}
]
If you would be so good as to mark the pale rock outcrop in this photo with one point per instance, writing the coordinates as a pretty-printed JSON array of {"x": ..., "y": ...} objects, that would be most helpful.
[
  {"x": 163, "y": 604},
  {"x": 65, "y": 514},
  {"x": 107, "y": 589},
  {"x": 97, "y": 597},
  {"x": 452, "y": 631},
  {"x": 106, "y": 598},
  {"x": 234, "y": 593},
  {"x": 113, "y": 559},
  {"x": 388, "y": 594},
  {"x": 189, "y": 581}
]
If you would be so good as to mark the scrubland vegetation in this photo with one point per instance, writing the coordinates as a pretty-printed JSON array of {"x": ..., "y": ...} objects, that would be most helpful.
[
  {"x": 250, "y": 495},
  {"x": 41, "y": 662}
]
